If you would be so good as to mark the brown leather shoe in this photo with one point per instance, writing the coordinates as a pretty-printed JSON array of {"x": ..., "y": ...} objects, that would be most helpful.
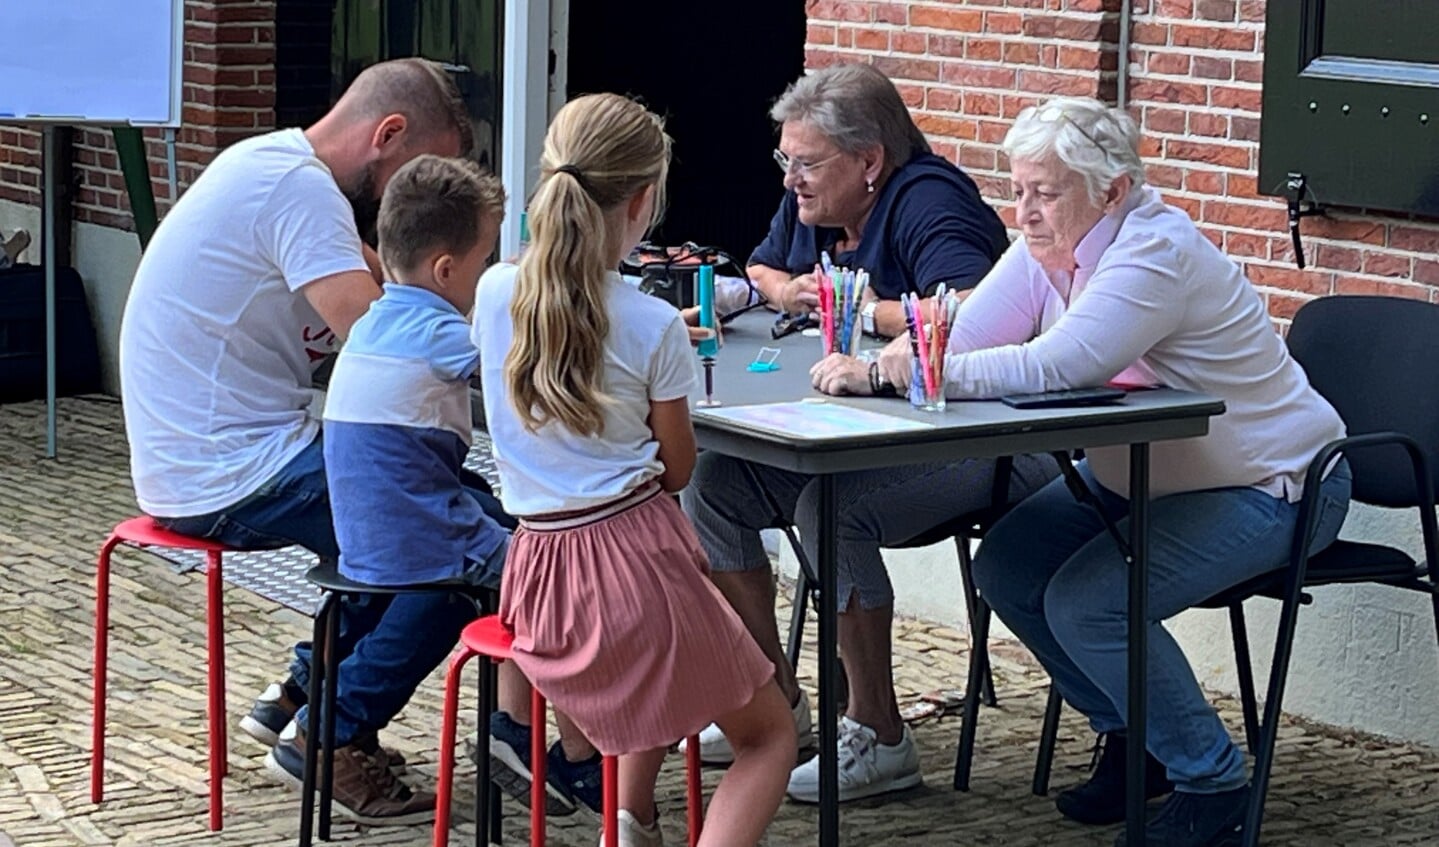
[{"x": 365, "y": 790}]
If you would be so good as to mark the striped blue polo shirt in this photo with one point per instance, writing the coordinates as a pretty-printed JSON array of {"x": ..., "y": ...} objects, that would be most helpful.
[{"x": 397, "y": 428}]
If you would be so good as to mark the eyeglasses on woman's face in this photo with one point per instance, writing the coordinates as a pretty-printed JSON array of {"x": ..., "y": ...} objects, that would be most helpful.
[{"x": 798, "y": 167}]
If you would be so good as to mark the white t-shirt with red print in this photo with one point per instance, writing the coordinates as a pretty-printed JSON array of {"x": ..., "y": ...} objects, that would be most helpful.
[{"x": 218, "y": 342}]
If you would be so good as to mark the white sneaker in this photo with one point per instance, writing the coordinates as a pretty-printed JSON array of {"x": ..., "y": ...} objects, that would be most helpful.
[
  {"x": 635, "y": 834},
  {"x": 866, "y": 767},
  {"x": 715, "y": 749}
]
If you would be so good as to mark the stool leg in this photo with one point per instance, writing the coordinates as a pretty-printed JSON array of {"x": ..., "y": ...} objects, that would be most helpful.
[
  {"x": 487, "y": 796},
  {"x": 215, "y": 647},
  {"x": 102, "y": 667},
  {"x": 445, "y": 785},
  {"x": 610, "y": 789},
  {"x": 312, "y": 728},
  {"x": 538, "y": 765},
  {"x": 694, "y": 791},
  {"x": 327, "y": 748}
]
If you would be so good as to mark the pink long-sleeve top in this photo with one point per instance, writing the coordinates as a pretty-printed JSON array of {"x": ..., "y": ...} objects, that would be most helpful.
[{"x": 1152, "y": 302}]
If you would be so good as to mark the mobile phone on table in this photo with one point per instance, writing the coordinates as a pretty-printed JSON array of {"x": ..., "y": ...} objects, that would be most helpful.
[{"x": 1061, "y": 399}]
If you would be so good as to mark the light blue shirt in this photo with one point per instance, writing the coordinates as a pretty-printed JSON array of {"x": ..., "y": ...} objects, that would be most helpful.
[{"x": 397, "y": 428}]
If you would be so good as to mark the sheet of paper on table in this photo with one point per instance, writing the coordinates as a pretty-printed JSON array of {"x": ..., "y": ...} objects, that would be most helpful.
[{"x": 813, "y": 420}]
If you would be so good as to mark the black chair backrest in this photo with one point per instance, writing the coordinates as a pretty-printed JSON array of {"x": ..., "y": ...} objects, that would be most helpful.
[{"x": 1376, "y": 359}]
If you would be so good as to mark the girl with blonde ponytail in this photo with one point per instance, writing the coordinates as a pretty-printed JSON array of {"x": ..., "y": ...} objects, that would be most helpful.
[{"x": 586, "y": 385}]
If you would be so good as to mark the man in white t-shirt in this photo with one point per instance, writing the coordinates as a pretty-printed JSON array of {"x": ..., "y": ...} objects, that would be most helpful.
[{"x": 250, "y": 280}]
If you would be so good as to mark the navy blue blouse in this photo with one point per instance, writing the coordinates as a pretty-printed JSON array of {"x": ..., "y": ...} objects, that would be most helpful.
[{"x": 928, "y": 226}]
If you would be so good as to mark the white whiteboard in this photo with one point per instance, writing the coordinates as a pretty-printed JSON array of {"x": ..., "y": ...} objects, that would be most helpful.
[{"x": 92, "y": 61}]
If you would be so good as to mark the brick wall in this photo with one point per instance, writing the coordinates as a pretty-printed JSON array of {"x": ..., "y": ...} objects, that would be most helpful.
[
  {"x": 966, "y": 68},
  {"x": 229, "y": 94}
]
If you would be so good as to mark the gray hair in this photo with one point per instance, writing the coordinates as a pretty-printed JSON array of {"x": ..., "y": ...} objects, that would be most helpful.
[
  {"x": 1096, "y": 141},
  {"x": 856, "y": 107}
]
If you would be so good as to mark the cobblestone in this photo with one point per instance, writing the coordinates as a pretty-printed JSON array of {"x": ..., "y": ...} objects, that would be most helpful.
[{"x": 1330, "y": 786}]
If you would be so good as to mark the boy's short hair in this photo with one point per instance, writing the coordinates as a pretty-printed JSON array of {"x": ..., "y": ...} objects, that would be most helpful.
[{"x": 432, "y": 205}]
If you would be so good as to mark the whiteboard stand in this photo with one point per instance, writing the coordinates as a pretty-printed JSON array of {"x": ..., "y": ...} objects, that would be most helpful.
[
  {"x": 170, "y": 165},
  {"x": 49, "y": 150}
]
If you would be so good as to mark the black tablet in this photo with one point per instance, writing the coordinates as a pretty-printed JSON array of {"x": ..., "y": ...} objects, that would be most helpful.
[{"x": 1060, "y": 399}]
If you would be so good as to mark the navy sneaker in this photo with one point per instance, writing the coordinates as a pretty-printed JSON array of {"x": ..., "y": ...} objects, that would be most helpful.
[
  {"x": 273, "y": 711},
  {"x": 510, "y": 766},
  {"x": 1197, "y": 820},
  {"x": 581, "y": 780}
]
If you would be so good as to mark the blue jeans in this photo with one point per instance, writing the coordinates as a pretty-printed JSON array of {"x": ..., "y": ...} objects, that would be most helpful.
[
  {"x": 1058, "y": 581},
  {"x": 388, "y": 644}
]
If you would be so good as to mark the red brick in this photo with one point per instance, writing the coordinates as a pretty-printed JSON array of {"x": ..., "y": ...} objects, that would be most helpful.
[
  {"x": 980, "y": 76},
  {"x": 908, "y": 42},
  {"x": 1383, "y": 288},
  {"x": 1243, "y": 99},
  {"x": 1164, "y": 176},
  {"x": 1252, "y": 10},
  {"x": 1246, "y": 244},
  {"x": 1173, "y": 121},
  {"x": 914, "y": 96},
  {"x": 1019, "y": 53},
  {"x": 1169, "y": 93},
  {"x": 1416, "y": 238},
  {"x": 1290, "y": 278},
  {"x": 1204, "y": 182},
  {"x": 1087, "y": 59},
  {"x": 1056, "y": 83},
  {"x": 1003, "y": 23},
  {"x": 1173, "y": 8},
  {"x": 1344, "y": 229},
  {"x": 1216, "y": 10},
  {"x": 980, "y": 103},
  {"x": 1212, "y": 37},
  {"x": 1226, "y": 155},
  {"x": 1244, "y": 129},
  {"x": 1245, "y": 215},
  {"x": 838, "y": 10},
  {"x": 952, "y": 46},
  {"x": 1173, "y": 64},
  {"x": 871, "y": 39},
  {"x": 962, "y": 20},
  {"x": 978, "y": 157},
  {"x": 819, "y": 34},
  {"x": 1426, "y": 271},
  {"x": 1283, "y": 306},
  {"x": 891, "y": 13},
  {"x": 946, "y": 126},
  {"x": 1149, "y": 33},
  {"x": 1337, "y": 257},
  {"x": 1249, "y": 71},
  {"x": 1209, "y": 124},
  {"x": 1211, "y": 67},
  {"x": 1387, "y": 264},
  {"x": 898, "y": 68}
]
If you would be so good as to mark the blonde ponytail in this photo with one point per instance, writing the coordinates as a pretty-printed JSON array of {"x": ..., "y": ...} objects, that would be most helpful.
[{"x": 600, "y": 151}]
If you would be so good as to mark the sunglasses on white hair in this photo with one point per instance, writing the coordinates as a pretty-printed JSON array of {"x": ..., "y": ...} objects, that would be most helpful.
[{"x": 1052, "y": 114}]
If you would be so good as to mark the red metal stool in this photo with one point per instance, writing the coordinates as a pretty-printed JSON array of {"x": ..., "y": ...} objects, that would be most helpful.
[
  {"x": 488, "y": 637},
  {"x": 143, "y": 532}
]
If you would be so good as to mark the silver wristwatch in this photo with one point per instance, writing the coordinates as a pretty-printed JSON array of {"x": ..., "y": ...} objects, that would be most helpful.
[{"x": 866, "y": 317}]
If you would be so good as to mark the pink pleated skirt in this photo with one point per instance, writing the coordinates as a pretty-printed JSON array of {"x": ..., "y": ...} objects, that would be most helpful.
[{"x": 617, "y": 623}]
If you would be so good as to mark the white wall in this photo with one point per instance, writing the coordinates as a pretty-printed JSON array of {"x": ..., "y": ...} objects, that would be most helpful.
[
  {"x": 106, "y": 259},
  {"x": 1365, "y": 657}
]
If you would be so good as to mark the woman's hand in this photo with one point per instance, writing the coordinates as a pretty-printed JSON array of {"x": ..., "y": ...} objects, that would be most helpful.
[
  {"x": 700, "y": 333},
  {"x": 894, "y": 363},
  {"x": 840, "y": 374},
  {"x": 799, "y": 295}
]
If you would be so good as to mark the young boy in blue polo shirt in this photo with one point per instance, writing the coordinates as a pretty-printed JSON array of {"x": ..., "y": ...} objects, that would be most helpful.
[{"x": 397, "y": 429}]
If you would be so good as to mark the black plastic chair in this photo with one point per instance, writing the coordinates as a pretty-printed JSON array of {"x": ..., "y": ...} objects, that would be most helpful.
[
  {"x": 324, "y": 678},
  {"x": 1373, "y": 358},
  {"x": 963, "y": 530}
]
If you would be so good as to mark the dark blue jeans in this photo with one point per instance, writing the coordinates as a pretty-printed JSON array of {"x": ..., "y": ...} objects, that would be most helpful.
[
  {"x": 388, "y": 644},
  {"x": 1057, "y": 580}
]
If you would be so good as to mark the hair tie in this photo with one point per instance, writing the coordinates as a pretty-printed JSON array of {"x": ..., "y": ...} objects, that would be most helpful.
[{"x": 579, "y": 177}]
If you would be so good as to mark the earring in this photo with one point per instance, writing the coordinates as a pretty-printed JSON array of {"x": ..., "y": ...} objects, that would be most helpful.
[{"x": 869, "y": 185}]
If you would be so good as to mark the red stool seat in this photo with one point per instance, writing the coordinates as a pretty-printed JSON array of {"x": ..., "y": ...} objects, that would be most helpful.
[
  {"x": 144, "y": 532},
  {"x": 488, "y": 637}
]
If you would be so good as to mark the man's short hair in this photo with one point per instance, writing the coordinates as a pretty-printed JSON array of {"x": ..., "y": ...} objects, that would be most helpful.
[
  {"x": 421, "y": 90},
  {"x": 433, "y": 205}
]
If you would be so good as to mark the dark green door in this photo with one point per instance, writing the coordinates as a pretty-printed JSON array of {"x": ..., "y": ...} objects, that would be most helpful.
[{"x": 463, "y": 33}]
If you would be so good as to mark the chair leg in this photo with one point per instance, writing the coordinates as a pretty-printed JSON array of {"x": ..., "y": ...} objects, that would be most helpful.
[
  {"x": 694, "y": 790},
  {"x": 445, "y": 779},
  {"x": 963, "y": 757},
  {"x": 978, "y": 651},
  {"x": 1269, "y": 726},
  {"x": 318, "y": 649},
  {"x": 1048, "y": 736},
  {"x": 101, "y": 670},
  {"x": 327, "y": 715},
  {"x": 215, "y": 648},
  {"x": 538, "y": 767},
  {"x": 802, "y": 589},
  {"x": 610, "y": 790},
  {"x": 1245, "y": 668},
  {"x": 487, "y": 793}
]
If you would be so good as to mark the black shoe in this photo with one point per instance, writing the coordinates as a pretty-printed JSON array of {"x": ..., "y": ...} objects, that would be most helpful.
[
  {"x": 1197, "y": 820},
  {"x": 273, "y": 711},
  {"x": 582, "y": 781},
  {"x": 1101, "y": 799}
]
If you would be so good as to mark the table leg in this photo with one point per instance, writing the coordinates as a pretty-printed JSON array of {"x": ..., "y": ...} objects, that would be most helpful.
[
  {"x": 1138, "y": 640},
  {"x": 828, "y": 661}
]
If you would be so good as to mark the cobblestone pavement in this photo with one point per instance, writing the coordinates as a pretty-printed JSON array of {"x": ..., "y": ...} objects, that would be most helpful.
[{"x": 1330, "y": 787}]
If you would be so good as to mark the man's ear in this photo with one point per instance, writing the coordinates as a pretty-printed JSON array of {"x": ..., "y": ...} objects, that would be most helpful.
[{"x": 389, "y": 134}]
